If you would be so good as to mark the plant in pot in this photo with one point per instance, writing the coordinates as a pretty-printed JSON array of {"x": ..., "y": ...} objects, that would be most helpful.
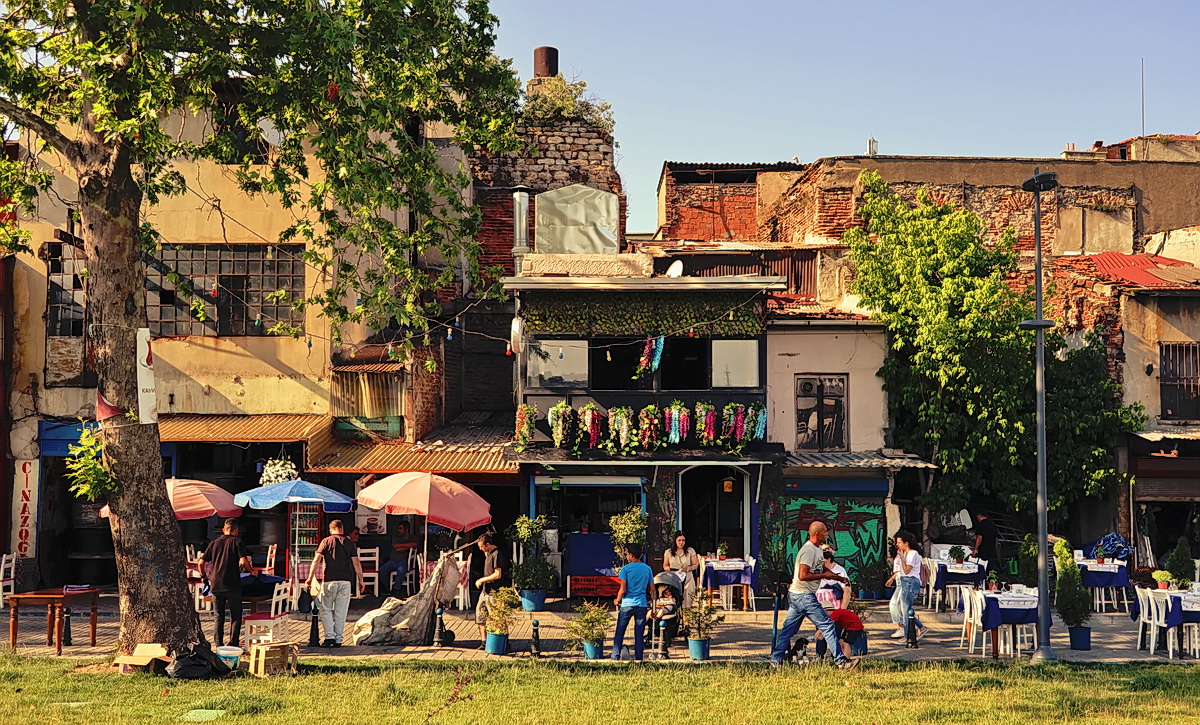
[
  {"x": 588, "y": 629},
  {"x": 534, "y": 574},
  {"x": 500, "y": 612},
  {"x": 722, "y": 550},
  {"x": 1163, "y": 577},
  {"x": 993, "y": 581},
  {"x": 628, "y": 527},
  {"x": 1181, "y": 564},
  {"x": 700, "y": 619},
  {"x": 1100, "y": 553},
  {"x": 957, "y": 553},
  {"x": 1073, "y": 601}
]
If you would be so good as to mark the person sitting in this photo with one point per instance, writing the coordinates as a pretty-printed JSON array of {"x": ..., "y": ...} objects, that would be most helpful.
[
  {"x": 402, "y": 544},
  {"x": 682, "y": 560},
  {"x": 852, "y": 639},
  {"x": 665, "y": 612},
  {"x": 832, "y": 594}
]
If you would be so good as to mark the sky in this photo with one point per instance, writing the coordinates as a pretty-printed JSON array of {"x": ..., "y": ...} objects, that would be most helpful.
[{"x": 766, "y": 80}]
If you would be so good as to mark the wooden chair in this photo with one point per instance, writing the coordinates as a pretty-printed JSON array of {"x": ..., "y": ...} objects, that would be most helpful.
[
  {"x": 369, "y": 558},
  {"x": 8, "y": 576},
  {"x": 270, "y": 626},
  {"x": 190, "y": 552}
]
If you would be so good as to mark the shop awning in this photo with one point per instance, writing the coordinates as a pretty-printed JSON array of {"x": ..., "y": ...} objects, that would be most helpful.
[
  {"x": 858, "y": 459},
  {"x": 269, "y": 428},
  {"x": 588, "y": 480},
  {"x": 867, "y": 487},
  {"x": 454, "y": 449},
  {"x": 1170, "y": 432}
]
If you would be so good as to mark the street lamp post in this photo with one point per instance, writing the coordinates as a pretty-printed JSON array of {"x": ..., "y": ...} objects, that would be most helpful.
[{"x": 1038, "y": 183}]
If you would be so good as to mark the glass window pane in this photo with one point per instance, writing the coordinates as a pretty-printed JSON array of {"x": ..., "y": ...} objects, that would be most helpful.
[
  {"x": 735, "y": 364},
  {"x": 685, "y": 364},
  {"x": 614, "y": 361},
  {"x": 557, "y": 364}
]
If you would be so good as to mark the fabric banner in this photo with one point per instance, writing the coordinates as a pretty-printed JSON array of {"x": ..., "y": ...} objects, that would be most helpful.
[
  {"x": 147, "y": 397},
  {"x": 25, "y": 509}
]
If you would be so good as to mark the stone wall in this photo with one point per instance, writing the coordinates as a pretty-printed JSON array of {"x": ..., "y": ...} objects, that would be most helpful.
[{"x": 556, "y": 156}]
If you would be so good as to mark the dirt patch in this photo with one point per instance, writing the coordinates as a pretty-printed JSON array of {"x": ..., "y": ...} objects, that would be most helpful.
[{"x": 93, "y": 669}]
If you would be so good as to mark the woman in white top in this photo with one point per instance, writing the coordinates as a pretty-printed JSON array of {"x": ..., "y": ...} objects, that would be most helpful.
[
  {"x": 682, "y": 559},
  {"x": 906, "y": 573},
  {"x": 841, "y": 598}
]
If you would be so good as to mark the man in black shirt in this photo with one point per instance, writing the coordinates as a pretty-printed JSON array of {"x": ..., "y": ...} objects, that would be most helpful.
[
  {"x": 229, "y": 557},
  {"x": 494, "y": 569},
  {"x": 985, "y": 541}
]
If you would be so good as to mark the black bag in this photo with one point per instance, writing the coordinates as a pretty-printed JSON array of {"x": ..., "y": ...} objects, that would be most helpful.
[
  {"x": 304, "y": 603},
  {"x": 196, "y": 662}
]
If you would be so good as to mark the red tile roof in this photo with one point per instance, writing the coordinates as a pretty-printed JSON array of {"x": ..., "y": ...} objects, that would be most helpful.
[{"x": 794, "y": 306}]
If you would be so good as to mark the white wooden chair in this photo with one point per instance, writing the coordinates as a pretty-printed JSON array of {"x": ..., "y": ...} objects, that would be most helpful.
[
  {"x": 8, "y": 576},
  {"x": 201, "y": 602},
  {"x": 369, "y": 558},
  {"x": 190, "y": 552},
  {"x": 270, "y": 626}
]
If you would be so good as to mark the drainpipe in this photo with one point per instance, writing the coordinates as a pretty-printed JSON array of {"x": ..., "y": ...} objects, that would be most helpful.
[{"x": 520, "y": 228}]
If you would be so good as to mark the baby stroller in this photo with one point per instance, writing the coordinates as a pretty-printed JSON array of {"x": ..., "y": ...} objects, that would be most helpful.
[{"x": 668, "y": 614}]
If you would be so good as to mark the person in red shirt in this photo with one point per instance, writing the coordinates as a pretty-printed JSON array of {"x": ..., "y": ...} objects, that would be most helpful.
[{"x": 851, "y": 638}]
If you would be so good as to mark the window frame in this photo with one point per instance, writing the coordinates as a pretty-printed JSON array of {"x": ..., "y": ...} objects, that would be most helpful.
[
  {"x": 822, "y": 447},
  {"x": 1188, "y": 356}
]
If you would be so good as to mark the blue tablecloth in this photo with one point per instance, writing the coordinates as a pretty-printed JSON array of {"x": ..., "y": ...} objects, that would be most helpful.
[
  {"x": 995, "y": 616},
  {"x": 945, "y": 577},
  {"x": 1098, "y": 579},
  {"x": 1175, "y": 614},
  {"x": 588, "y": 555},
  {"x": 727, "y": 577}
]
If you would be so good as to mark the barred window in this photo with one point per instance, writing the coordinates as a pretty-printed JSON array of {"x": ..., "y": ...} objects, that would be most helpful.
[
  {"x": 1179, "y": 380},
  {"x": 821, "y": 412},
  {"x": 65, "y": 297}
]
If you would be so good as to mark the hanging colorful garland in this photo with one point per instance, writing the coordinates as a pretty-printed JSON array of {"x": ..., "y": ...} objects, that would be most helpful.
[
  {"x": 562, "y": 423},
  {"x": 621, "y": 440},
  {"x": 756, "y": 422},
  {"x": 706, "y": 424},
  {"x": 678, "y": 420},
  {"x": 651, "y": 356},
  {"x": 591, "y": 419},
  {"x": 526, "y": 426},
  {"x": 650, "y": 428},
  {"x": 733, "y": 422}
]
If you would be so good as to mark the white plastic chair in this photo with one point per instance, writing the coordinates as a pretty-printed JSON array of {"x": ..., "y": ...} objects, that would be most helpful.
[
  {"x": 369, "y": 558},
  {"x": 189, "y": 551},
  {"x": 412, "y": 578},
  {"x": 1145, "y": 619},
  {"x": 1159, "y": 603},
  {"x": 8, "y": 576},
  {"x": 969, "y": 623},
  {"x": 201, "y": 602},
  {"x": 978, "y": 603},
  {"x": 748, "y": 592},
  {"x": 270, "y": 626}
]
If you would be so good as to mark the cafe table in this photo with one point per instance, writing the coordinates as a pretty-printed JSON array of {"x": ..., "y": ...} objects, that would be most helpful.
[
  {"x": 951, "y": 574},
  {"x": 56, "y": 601},
  {"x": 715, "y": 573},
  {"x": 1098, "y": 577},
  {"x": 1010, "y": 609}
]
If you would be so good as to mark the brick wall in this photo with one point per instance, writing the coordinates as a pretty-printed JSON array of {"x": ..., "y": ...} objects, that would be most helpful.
[
  {"x": 711, "y": 211},
  {"x": 425, "y": 407}
]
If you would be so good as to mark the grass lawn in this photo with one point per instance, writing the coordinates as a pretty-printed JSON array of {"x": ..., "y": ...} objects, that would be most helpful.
[{"x": 328, "y": 692}]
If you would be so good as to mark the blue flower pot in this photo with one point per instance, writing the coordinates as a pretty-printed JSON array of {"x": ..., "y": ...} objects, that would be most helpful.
[
  {"x": 496, "y": 644},
  {"x": 1081, "y": 637},
  {"x": 698, "y": 648},
  {"x": 533, "y": 600},
  {"x": 864, "y": 594},
  {"x": 877, "y": 594},
  {"x": 888, "y": 592},
  {"x": 593, "y": 650}
]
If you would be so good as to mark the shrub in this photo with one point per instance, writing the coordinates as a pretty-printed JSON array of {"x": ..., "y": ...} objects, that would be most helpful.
[
  {"x": 590, "y": 626},
  {"x": 1074, "y": 602},
  {"x": 1027, "y": 557},
  {"x": 1180, "y": 563},
  {"x": 702, "y": 617},
  {"x": 500, "y": 610},
  {"x": 558, "y": 100},
  {"x": 534, "y": 573}
]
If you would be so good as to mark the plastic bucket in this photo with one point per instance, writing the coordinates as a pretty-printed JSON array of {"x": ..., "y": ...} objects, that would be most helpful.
[
  {"x": 230, "y": 656},
  {"x": 593, "y": 650},
  {"x": 533, "y": 600},
  {"x": 496, "y": 644},
  {"x": 698, "y": 648}
]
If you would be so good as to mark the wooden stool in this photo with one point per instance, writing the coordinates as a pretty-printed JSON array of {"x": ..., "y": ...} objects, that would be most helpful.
[{"x": 269, "y": 658}]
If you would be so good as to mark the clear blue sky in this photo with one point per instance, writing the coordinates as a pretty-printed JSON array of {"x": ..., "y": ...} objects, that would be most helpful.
[{"x": 757, "y": 80}]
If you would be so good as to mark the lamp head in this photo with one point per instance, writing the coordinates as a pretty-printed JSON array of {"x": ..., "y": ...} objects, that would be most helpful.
[{"x": 1044, "y": 181}]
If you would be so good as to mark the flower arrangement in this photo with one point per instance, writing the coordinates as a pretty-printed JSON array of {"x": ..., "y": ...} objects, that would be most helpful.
[
  {"x": 562, "y": 422},
  {"x": 526, "y": 426},
  {"x": 591, "y": 417},
  {"x": 733, "y": 422},
  {"x": 649, "y": 432},
  {"x": 278, "y": 470},
  {"x": 621, "y": 440},
  {"x": 678, "y": 419},
  {"x": 756, "y": 422},
  {"x": 706, "y": 424},
  {"x": 651, "y": 356}
]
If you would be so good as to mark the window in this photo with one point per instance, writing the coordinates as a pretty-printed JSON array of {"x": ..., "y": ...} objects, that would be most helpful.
[
  {"x": 1179, "y": 380},
  {"x": 366, "y": 395},
  {"x": 685, "y": 364},
  {"x": 236, "y": 139},
  {"x": 735, "y": 363},
  {"x": 557, "y": 364},
  {"x": 64, "y": 305},
  {"x": 821, "y": 412},
  {"x": 242, "y": 275},
  {"x": 613, "y": 361}
]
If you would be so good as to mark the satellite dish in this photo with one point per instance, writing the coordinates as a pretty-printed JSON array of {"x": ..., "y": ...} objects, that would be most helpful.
[{"x": 676, "y": 268}]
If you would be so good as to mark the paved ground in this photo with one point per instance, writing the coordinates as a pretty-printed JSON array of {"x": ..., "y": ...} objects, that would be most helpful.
[{"x": 745, "y": 636}]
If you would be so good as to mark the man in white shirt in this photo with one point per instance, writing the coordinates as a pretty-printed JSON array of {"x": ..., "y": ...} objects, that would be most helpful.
[{"x": 802, "y": 598}]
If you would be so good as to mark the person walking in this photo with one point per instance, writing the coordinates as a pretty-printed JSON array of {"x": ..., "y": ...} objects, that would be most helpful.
[
  {"x": 229, "y": 558},
  {"x": 339, "y": 556},
  {"x": 802, "y": 598},
  {"x": 633, "y": 601},
  {"x": 494, "y": 568},
  {"x": 906, "y": 573}
]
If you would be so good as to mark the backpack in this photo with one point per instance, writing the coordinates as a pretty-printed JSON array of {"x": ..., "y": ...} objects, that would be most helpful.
[{"x": 924, "y": 574}]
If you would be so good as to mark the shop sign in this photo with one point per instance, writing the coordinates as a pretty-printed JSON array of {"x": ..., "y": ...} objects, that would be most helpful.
[
  {"x": 24, "y": 509},
  {"x": 147, "y": 397},
  {"x": 369, "y": 521},
  {"x": 595, "y": 586}
]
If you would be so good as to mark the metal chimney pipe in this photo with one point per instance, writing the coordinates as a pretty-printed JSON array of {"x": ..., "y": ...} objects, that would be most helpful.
[
  {"x": 520, "y": 228},
  {"x": 545, "y": 61}
]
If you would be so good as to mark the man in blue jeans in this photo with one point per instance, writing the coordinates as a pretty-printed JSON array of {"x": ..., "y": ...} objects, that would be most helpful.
[
  {"x": 802, "y": 598},
  {"x": 632, "y": 601}
]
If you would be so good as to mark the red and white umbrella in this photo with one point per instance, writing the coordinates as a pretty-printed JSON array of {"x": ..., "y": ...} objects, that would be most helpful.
[
  {"x": 191, "y": 499},
  {"x": 437, "y": 498}
]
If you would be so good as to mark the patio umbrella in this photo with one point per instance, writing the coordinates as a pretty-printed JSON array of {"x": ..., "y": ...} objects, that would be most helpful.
[
  {"x": 192, "y": 499},
  {"x": 271, "y": 495},
  {"x": 437, "y": 498}
]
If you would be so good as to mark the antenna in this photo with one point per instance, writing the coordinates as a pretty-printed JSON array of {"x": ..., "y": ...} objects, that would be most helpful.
[{"x": 1143, "y": 97}]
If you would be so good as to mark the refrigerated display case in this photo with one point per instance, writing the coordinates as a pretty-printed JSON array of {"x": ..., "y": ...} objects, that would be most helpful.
[{"x": 305, "y": 524}]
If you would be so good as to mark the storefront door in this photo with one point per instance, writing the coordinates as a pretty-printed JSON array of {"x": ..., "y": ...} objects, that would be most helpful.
[{"x": 709, "y": 514}]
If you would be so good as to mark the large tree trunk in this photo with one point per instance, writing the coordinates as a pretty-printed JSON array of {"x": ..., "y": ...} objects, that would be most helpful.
[{"x": 154, "y": 598}]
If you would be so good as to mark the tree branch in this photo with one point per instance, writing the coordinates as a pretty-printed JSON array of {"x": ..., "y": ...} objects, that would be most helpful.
[{"x": 48, "y": 131}]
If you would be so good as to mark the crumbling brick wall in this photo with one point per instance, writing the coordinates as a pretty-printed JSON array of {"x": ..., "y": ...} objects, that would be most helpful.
[
  {"x": 710, "y": 212},
  {"x": 556, "y": 156},
  {"x": 424, "y": 409}
]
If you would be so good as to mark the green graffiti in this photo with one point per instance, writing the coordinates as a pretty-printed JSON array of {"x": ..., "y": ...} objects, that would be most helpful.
[{"x": 856, "y": 527}]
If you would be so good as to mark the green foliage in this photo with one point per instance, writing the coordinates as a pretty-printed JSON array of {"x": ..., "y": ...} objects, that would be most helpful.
[
  {"x": 642, "y": 314},
  {"x": 1180, "y": 563},
  {"x": 960, "y": 376},
  {"x": 534, "y": 573},
  {"x": 627, "y": 528},
  {"x": 702, "y": 617},
  {"x": 1027, "y": 558},
  {"x": 527, "y": 530},
  {"x": 1072, "y": 601},
  {"x": 957, "y": 552},
  {"x": 1161, "y": 576},
  {"x": 590, "y": 626},
  {"x": 501, "y": 609},
  {"x": 874, "y": 576},
  {"x": 86, "y": 469},
  {"x": 558, "y": 100}
]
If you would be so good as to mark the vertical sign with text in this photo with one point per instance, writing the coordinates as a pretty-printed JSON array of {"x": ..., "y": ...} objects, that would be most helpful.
[
  {"x": 25, "y": 509},
  {"x": 147, "y": 397}
]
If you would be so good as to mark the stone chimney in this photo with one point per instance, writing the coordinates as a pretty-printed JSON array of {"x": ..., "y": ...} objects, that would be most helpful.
[{"x": 545, "y": 65}]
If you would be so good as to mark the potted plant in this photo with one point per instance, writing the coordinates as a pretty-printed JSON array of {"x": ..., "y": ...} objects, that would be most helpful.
[
  {"x": 628, "y": 527},
  {"x": 1100, "y": 553},
  {"x": 1073, "y": 601},
  {"x": 532, "y": 576},
  {"x": 1163, "y": 577},
  {"x": 588, "y": 629},
  {"x": 500, "y": 611},
  {"x": 1181, "y": 564},
  {"x": 993, "y": 581},
  {"x": 957, "y": 553},
  {"x": 874, "y": 577},
  {"x": 722, "y": 550},
  {"x": 701, "y": 618}
]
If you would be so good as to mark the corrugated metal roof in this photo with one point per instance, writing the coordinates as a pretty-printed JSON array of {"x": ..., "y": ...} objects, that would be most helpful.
[
  {"x": 1170, "y": 432},
  {"x": 455, "y": 449},
  {"x": 859, "y": 459},
  {"x": 269, "y": 428},
  {"x": 1140, "y": 269},
  {"x": 378, "y": 367},
  {"x": 736, "y": 166}
]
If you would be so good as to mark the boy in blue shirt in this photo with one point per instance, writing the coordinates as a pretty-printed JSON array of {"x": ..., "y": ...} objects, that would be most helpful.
[{"x": 632, "y": 601}]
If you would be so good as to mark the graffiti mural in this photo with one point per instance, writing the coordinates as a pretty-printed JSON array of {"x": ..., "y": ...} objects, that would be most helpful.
[{"x": 856, "y": 528}]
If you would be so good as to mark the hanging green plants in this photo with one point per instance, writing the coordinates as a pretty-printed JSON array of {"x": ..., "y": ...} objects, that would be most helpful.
[
  {"x": 621, "y": 439},
  {"x": 642, "y": 314},
  {"x": 526, "y": 426},
  {"x": 562, "y": 423}
]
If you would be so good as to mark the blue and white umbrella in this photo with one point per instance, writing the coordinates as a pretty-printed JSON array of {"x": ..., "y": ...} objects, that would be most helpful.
[{"x": 271, "y": 495}]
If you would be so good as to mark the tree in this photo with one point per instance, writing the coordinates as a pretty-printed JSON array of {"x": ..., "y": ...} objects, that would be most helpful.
[
  {"x": 960, "y": 379},
  {"x": 312, "y": 103}
]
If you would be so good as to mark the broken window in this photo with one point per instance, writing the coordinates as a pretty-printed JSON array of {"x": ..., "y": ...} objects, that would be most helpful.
[
  {"x": 64, "y": 305},
  {"x": 821, "y": 412},
  {"x": 1179, "y": 380}
]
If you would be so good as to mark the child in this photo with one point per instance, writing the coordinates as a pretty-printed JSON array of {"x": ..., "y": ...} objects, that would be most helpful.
[
  {"x": 666, "y": 615},
  {"x": 849, "y": 630}
]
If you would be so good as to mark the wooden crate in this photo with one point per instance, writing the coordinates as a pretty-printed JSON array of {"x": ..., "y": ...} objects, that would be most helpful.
[{"x": 271, "y": 658}]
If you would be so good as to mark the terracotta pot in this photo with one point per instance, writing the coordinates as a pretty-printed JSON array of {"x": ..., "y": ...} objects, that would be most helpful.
[
  {"x": 993, "y": 586},
  {"x": 720, "y": 557},
  {"x": 1099, "y": 559},
  {"x": 958, "y": 561},
  {"x": 1164, "y": 585}
]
